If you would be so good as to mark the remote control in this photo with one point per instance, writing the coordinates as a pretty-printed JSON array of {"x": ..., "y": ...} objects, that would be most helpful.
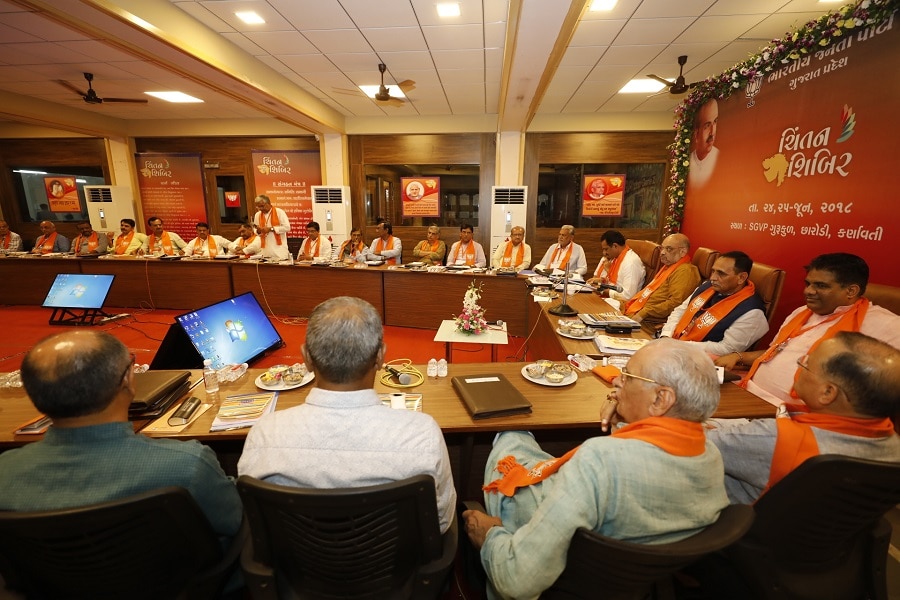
[{"x": 184, "y": 413}]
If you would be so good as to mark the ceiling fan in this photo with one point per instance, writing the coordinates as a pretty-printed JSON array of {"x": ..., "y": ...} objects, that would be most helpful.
[
  {"x": 91, "y": 97},
  {"x": 678, "y": 86},
  {"x": 384, "y": 94}
]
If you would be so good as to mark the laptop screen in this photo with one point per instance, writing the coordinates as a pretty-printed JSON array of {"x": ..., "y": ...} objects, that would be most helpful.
[
  {"x": 233, "y": 331},
  {"x": 74, "y": 290}
]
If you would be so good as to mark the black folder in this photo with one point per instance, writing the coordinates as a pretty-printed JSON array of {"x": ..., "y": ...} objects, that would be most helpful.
[{"x": 490, "y": 395}]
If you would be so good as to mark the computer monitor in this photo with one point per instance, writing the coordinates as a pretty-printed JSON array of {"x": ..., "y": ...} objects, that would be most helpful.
[
  {"x": 74, "y": 290},
  {"x": 233, "y": 331}
]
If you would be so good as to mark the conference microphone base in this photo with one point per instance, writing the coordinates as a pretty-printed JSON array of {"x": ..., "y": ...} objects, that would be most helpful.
[{"x": 563, "y": 310}]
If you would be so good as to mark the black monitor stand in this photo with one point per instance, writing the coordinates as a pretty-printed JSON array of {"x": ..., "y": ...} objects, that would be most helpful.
[{"x": 71, "y": 316}]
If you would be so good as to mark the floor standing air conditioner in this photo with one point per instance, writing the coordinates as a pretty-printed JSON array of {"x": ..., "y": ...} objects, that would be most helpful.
[
  {"x": 108, "y": 205},
  {"x": 508, "y": 206},
  {"x": 332, "y": 211}
]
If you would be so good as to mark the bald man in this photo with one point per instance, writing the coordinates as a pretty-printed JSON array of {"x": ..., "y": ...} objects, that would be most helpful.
[{"x": 50, "y": 240}]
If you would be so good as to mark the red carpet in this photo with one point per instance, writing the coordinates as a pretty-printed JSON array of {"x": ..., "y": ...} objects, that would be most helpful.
[{"x": 144, "y": 330}]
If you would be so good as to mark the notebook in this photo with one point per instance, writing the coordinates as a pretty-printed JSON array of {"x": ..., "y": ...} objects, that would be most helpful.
[
  {"x": 155, "y": 391},
  {"x": 490, "y": 395}
]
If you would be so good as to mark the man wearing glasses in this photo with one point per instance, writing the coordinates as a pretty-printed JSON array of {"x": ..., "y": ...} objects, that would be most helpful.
[
  {"x": 850, "y": 387},
  {"x": 84, "y": 381},
  {"x": 674, "y": 282},
  {"x": 652, "y": 481},
  {"x": 432, "y": 249}
]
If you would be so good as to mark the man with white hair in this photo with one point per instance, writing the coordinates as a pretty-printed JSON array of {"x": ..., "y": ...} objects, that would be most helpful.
[{"x": 565, "y": 252}]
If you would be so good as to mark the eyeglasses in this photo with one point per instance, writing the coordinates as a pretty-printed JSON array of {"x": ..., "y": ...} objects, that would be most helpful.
[
  {"x": 130, "y": 366},
  {"x": 803, "y": 363},
  {"x": 672, "y": 248},
  {"x": 626, "y": 375}
]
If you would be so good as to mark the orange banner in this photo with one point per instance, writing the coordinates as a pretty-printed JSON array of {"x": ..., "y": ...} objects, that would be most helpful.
[
  {"x": 172, "y": 189},
  {"x": 287, "y": 177},
  {"x": 602, "y": 195},
  {"x": 421, "y": 196}
]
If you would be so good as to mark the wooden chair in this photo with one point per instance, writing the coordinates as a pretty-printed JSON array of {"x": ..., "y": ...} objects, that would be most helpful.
[
  {"x": 703, "y": 259},
  {"x": 768, "y": 281},
  {"x": 649, "y": 255},
  {"x": 884, "y": 296},
  {"x": 380, "y": 541},
  {"x": 152, "y": 545},
  {"x": 820, "y": 532}
]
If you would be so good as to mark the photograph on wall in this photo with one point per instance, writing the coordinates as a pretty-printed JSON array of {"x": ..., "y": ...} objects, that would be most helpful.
[
  {"x": 62, "y": 194},
  {"x": 602, "y": 195},
  {"x": 287, "y": 177},
  {"x": 421, "y": 196},
  {"x": 172, "y": 189}
]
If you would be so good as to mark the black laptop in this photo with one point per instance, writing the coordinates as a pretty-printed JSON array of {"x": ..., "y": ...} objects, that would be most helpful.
[{"x": 155, "y": 391}]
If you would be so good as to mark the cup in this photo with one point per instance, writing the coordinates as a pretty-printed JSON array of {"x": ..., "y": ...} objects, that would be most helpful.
[{"x": 398, "y": 400}]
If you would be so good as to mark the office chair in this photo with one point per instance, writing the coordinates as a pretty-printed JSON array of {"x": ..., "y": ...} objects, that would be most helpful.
[
  {"x": 374, "y": 542},
  {"x": 157, "y": 544},
  {"x": 704, "y": 259},
  {"x": 768, "y": 281},
  {"x": 820, "y": 533}
]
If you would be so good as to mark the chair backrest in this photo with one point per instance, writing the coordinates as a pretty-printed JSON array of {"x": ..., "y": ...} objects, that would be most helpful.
[
  {"x": 703, "y": 259},
  {"x": 768, "y": 281},
  {"x": 366, "y": 542},
  {"x": 884, "y": 296},
  {"x": 819, "y": 533},
  {"x": 152, "y": 545},
  {"x": 648, "y": 252},
  {"x": 628, "y": 570}
]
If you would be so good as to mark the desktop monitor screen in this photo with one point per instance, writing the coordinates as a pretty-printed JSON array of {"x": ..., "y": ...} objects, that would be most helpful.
[
  {"x": 73, "y": 290},
  {"x": 233, "y": 331}
]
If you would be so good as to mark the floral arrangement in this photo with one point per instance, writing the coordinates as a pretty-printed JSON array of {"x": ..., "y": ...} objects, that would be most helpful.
[
  {"x": 807, "y": 39},
  {"x": 471, "y": 319}
]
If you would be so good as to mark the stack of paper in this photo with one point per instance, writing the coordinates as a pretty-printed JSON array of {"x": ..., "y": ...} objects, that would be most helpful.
[
  {"x": 238, "y": 412},
  {"x": 613, "y": 345}
]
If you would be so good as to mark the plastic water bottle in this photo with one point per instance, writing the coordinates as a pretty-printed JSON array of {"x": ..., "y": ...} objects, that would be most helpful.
[
  {"x": 432, "y": 369},
  {"x": 442, "y": 368},
  {"x": 210, "y": 377}
]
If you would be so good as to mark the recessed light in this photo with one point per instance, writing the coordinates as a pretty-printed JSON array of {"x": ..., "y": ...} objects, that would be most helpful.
[
  {"x": 642, "y": 86},
  {"x": 393, "y": 90},
  {"x": 249, "y": 17},
  {"x": 448, "y": 9},
  {"x": 600, "y": 5},
  {"x": 174, "y": 97}
]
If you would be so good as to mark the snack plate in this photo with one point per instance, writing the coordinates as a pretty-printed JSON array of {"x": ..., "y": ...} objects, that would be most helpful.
[
  {"x": 589, "y": 336},
  {"x": 567, "y": 380},
  {"x": 281, "y": 386}
]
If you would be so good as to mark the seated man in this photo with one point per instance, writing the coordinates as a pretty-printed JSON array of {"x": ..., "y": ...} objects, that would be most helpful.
[
  {"x": 724, "y": 315},
  {"x": 206, "y": 245},
  {"x": 247, "y": 242},
  {"x": 89, "y": 241},
  {"x": 314, "y": 247},
  {"x": 84, "y": 381},
  {"x": 619, "y": 266},
  {"x": 514, "y": 253},
  {"x": 466, "y": 252},
  {"x": 50, "y": 240},
  {"x": 432, "y": 249},
  {"x": 565, "y": 252},
  {"x": 272, "y": 226},
  {"x": 674, "y": 282},
  {"x": 160, "y": 241},
  {"x": 351, "y": 249},
  {"x": 342, "y": 435},
  {"x": 10, "y": 241},
  {"x": 128, "y": 242},
  {"x": 653, "y": 481},
  {"x": 850, "y": 385},
  {"x": 385, "y": 246},
  {"x": 835, "y": 288}
]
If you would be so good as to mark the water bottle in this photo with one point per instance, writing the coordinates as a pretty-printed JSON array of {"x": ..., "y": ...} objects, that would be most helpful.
[
  {"x": 432, "y": 369},
  {"x": 210, "y": 377},
  {"x": 442, "y": 368}
]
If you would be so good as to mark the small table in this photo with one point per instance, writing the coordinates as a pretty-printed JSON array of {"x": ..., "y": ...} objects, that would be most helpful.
[{"x": 447, "y": 333}]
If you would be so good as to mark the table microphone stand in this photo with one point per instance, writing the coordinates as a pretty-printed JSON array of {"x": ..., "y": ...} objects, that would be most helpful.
[{"x": 563, "y": 309}]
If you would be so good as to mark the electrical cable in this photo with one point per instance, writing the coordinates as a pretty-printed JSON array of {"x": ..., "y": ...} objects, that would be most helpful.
[{"x": 403, "y": 365}]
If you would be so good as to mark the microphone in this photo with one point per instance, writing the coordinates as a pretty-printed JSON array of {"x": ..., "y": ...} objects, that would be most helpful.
[
  {"x": 402, "y": 378},
  {"x": 610, "y": 286}
]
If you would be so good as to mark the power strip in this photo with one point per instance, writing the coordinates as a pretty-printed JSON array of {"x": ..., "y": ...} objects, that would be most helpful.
[{"x": 114, "y": 317}]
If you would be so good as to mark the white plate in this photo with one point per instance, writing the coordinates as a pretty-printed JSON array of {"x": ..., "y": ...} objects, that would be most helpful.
[
  {"x": 589, "y": 336},
  {"x": 414, "y": 264},
  {"x": 375, "y": 263},
  {"x": 281, "y": 386},
  {"x": 567, "y": 380}
]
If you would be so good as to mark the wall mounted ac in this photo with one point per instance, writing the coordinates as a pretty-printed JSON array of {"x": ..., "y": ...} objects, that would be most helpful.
[
  {"x": 108, "y": 205},
  {"x": 333, "y": 213},
  {"x": 508, "y": 209}
]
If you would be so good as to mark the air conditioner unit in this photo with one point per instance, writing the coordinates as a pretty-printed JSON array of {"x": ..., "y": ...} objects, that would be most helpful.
[
  {"x": 108, "y": 205},
  {"x": 333, "y": 213},
  {"x": 508, "y": 210}
]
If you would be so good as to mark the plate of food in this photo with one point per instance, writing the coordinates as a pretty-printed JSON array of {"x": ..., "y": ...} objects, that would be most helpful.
[
  {"x": 284, "y": 377},
  {"x": 549, "y": 373},
  {"x": 574, "y": 329},
  {"x": 587, "y": 335}
]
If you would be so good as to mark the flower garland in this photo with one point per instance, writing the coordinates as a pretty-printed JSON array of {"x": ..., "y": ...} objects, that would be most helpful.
[
  {"x": 471, "y": 319},
  {"x": 796, "y": 44}
]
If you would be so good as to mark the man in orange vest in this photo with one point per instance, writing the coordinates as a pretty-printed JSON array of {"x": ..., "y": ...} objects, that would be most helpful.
[
  {"x": 385, "y": 246},
  {"x": 513, "y": 253},
  {"x": 272, "y": 226},
  {"x": 619, "y": 266},
  {"x": 850, "y": 387},
  {"x": 432, "y": 249},
  {"x": 160, "y": 241},
  {"x": 466, "y": 251},
  {"x": 50, "y": 240},
  {"x": 10, "y": 241},
  {"x": 89, "y": 241},
  {"x": 246, "y": 244}
]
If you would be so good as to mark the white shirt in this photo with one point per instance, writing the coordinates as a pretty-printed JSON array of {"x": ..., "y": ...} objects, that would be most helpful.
[
  {"x": 250, "y": 249},
  {"x": 273, "y": 249},
  {"x": 701, "y": 170},
  {"x": 308, "y": 247},
  {"x": 739, "y": 336},
  {"x": 395, "y": 251},
  {"x": 630, "y": 276},
  {"x": 460, "y": 254},
  {"x": 497, "y": 259},
  {"x": 202, "y": 246},
  {"x": 577, "y": 262}
]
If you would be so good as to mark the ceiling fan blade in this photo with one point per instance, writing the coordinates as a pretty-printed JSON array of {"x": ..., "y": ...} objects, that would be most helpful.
[
  {"x": 395, "y": 102},
  {"x": 70, "y": 87},
  {"x": 407, "y": 86},
  {"x": 132, "y": 100},
  {"x": 661, "y": 80}
]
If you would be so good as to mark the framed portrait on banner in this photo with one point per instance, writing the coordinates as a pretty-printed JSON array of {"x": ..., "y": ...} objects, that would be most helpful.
[
  {"x": 602, "y": 195},
  {"x": 421, "y": 196}
]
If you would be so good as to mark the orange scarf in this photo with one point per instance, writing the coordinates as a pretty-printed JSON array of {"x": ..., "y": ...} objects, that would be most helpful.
[
  {"x": 850, "y": 320},
  {"x": 613, "y": 274},
  {"x": 92, "y": 242},
  {"x": 692, "y": 328},
  {"x": 353, "y": 250},
  {"x": 306, "y": 244},
  {"x": 46, "y": 243},
  {"x": 165, "y": 242},
  {"x": 122, "y": 242},
  {"x": 389, "y": 244},
  {"x": 242, "y": 243},
  {"x": 7, "y": 240},
  {"x": 211, "y": 247},
  {"x": 796, "y": 441},
  {"x": 637, "y": 303},
  {"x": 673, "y": 436},
  {"x": 507, "y": 260},
  {"x": 275, "y": 223},
  {"x": 470, "y": 253},
  {"x": 564, "y": 260}
]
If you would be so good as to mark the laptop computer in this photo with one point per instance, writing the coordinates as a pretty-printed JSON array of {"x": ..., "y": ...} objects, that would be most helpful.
[{"x": 155, "y": 391}]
